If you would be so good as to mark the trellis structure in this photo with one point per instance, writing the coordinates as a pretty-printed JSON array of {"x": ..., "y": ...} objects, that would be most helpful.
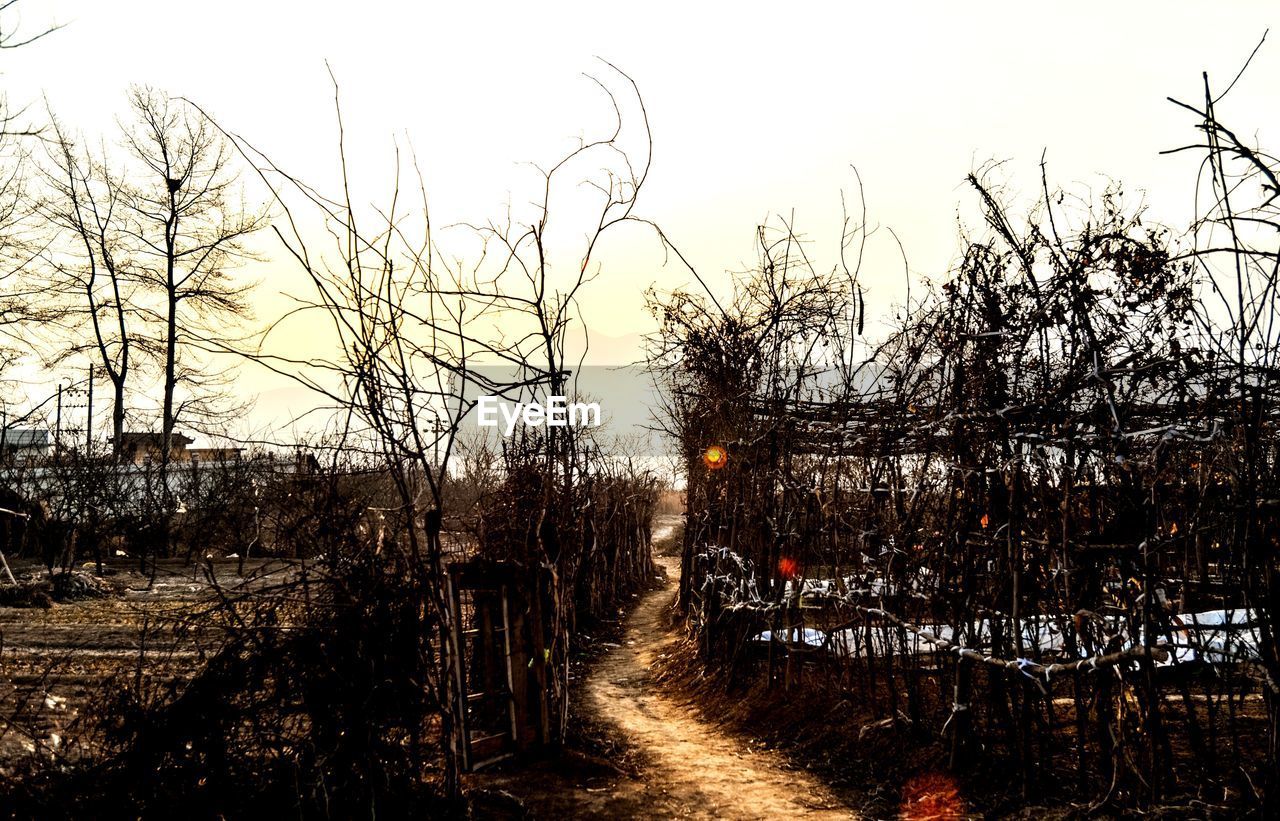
[{"x": 497, "y": 643}]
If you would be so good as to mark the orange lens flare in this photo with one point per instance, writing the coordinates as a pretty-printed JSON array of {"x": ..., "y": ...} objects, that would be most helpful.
[
  {"x": 788, "y": 567},
  {"x": 715, "y": 457}
]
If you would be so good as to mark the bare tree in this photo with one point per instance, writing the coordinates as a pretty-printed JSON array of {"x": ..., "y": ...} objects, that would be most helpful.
[
  {"x": 19, "y": 244},
  {"x": 187, "y": 225},
  {"x": 412, "y": 322},
  {"x": 91, "y": 267}
]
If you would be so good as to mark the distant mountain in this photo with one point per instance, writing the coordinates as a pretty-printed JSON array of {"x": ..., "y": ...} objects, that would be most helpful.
[
  {"x": 290, "y": 410},
  {"x": 602, "y": 348}
]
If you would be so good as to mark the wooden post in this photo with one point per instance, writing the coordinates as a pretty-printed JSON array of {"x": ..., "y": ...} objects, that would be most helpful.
[{"x": 960, "y": 713}]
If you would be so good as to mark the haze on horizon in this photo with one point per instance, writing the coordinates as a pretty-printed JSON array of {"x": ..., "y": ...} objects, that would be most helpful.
[{"x": 913, "y": 97}]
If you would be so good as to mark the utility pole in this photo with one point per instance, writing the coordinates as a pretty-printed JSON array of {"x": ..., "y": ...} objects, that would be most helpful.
[
  {"x": 88, "y": 422},
  {"x": 57, "y": 428}
]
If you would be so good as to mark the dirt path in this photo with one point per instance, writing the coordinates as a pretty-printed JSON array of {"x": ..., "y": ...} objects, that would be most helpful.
[
  {"x": 676, "y": 764},
  {"x": 697, "y": 769}
]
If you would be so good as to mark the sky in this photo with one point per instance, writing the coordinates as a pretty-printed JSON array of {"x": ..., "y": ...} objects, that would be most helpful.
[{"x": 756, "y": 111}]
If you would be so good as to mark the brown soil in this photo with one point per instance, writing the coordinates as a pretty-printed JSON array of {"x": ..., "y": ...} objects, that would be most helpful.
[
  {"x": 671, "y": 762},
  {"x": 57, "y": 662}
]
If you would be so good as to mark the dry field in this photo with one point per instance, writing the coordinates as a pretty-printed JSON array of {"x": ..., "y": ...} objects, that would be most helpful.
[{"x": 59, "y": 664}]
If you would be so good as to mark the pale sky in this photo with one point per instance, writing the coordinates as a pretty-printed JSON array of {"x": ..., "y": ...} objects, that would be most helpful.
[{"x": 756, "y": 109}]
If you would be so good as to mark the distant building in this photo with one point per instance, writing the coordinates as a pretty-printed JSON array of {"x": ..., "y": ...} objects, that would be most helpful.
[
  {"x": 140, "y": 448},
  {"x": 24, "y": 443},
  {"x": 213, "y": 454}
]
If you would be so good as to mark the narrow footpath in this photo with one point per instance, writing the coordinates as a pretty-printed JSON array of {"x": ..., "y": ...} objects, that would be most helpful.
[
  {"x": 702, "y": 770},
  {"x": 688, "y": 767}
]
